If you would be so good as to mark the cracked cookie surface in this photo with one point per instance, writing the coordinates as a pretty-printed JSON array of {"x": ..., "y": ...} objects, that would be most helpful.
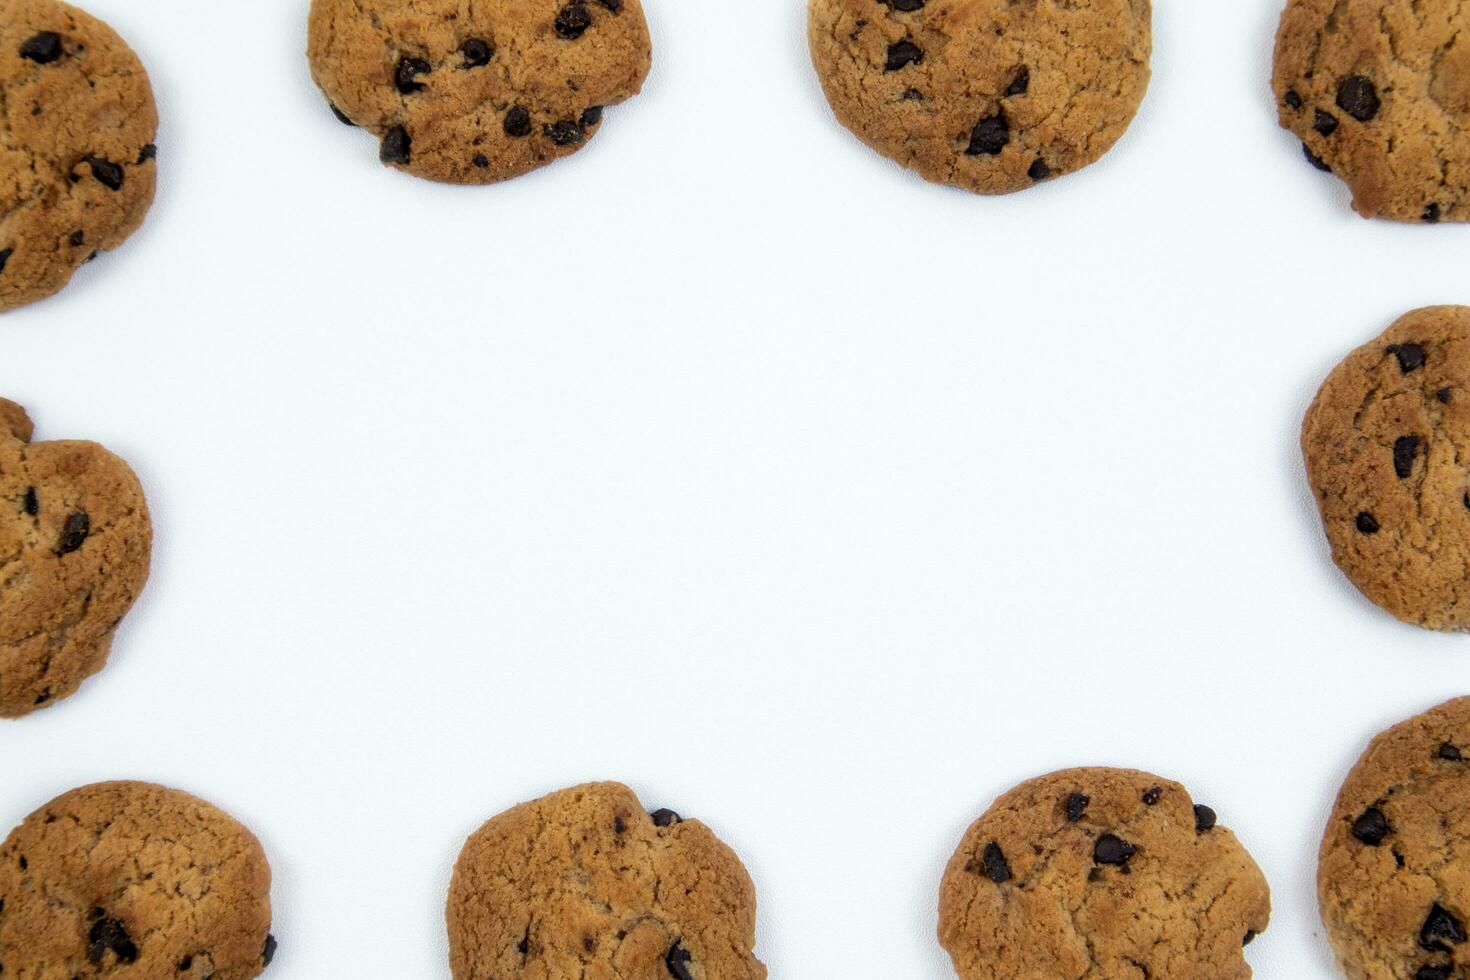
[
  {"x": 77, "y": 160},
  {"x": 1393, "y": 879},
  {"x": 477, "y": 91},
  {"x": 584, "y": 884},
  {"x": 990, "y": 95},
  {"x": 1378, "y": 91},
  {"x": 75, "y": 544},
  {"x": 134, "y": 880},
  {"x": 1387, "y": 450},
  {"x": 1100, "y": 874}
]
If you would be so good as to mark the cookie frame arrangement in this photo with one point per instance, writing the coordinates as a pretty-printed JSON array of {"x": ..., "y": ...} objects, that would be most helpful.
[{"x": 1080, "y": 873}]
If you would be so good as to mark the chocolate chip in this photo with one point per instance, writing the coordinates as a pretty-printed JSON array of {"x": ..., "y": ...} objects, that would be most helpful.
[
  {"x": 1431, "y": 214},
  {"x": 665, "y": 818},
  {"x": 477, "y": 53},
  {"x": 43, "y": 698},
  {"x": 269, "y": 953},
  {"x": 408, "y": 70},
  {"x": 1432, "y": 973},
  {"x": 186, "y": 964},
  {"x": 481, "y": 160},
  {"x": 678, "y": 962},
  {"x": 397, "y": 146},
  {"x": 997, "y": 868},
  {"x": 342, "y": 117},
  {"x": 1113, "y": 851},
  {"x": 1405, "y": 448},
  {"x": 1367, "y": 523},
  {"x": 1021, "y": 83},
  {"x": 5, "y": 254},
  {"x": 616, "y": 6},
  {"x": 32, "y": 502},
  {"x": 43, "y": 48},
  {"x": 524, "y": 946},
  {"x": 1440, "y": 927},
  {"x": 620, "y": 826},
  {"x": 1358, "y": 98},
  {"x": 1152, "y": 796},
  {"x": 108, "y": 174},
  {"x": 591, "y": 116},
  {"x": 518, "y": 123},
  {"x": 1372, "y": 827},
  {"x": 573, "y": 21},
  {"x": 1325, "y": 123},
  {"x": 148, "y": 152},
  {"x": 74, "y": 533},
  {"x": 912, "y": 95},
  {"x": 109, "y": 935},
  {"x": 901, "y": 54},
  {"x": 989, "y": 136},
  {"x": 1293, "y": 100},
  {"x": 77, "y": 239},
  {"x": 1039, "y": 170},
  {"x": 1450, "y": 752},
  {"x": 1315, "y": 160},
  {"x": 1444, "y": 395},
  {"x": 565, "y": 133},
  {"x": 1410, "y": 356},
  {"x": 1076, "y": 807},
  {"x": 1204, "y": 819},
  {"x": 905, "y": 6}
]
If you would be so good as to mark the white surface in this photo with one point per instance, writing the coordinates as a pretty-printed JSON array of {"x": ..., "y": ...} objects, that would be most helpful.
[{"x": 727, "y": 459}]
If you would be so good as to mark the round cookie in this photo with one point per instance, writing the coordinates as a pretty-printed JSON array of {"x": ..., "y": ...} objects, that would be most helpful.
[
  {"x": 75, "y": 542},
  {"x": 479, "y": 93},
  {"x": 1387, "y": 448},
  {"x": 1378, "y": 91},
  {"x": 585, "y": 884},
  {"x": 989, "y": 95},
  {"x": 1393, "y": 879},
  {"x": 1094, "y": 873},
  {"x": 77, "y": 124},
  {"x": 133, "y": 880}
]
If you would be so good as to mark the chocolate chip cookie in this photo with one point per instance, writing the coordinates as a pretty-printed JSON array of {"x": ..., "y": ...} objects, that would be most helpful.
[
  {"x": 1394, "y": 874},
  {"x": 75, "y": 542},
  {"x": 991, "y": 95},
  {"x": 585, "y": 883},
  {"x": 136, "y": 881},
  {"x": 1387, "y": 447},
  {"x": 477, "y": 93},
  {"x": 77, "y": 124},
  {"x": 1100, "y": 873},
  {"x": 1378, "y": 91}
]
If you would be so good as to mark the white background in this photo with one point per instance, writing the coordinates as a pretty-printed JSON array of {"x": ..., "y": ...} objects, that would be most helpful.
[{"x": 727, "y": 459}]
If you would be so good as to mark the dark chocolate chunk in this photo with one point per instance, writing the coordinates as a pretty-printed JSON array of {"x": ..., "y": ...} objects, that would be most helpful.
[
  {"x": 997, "y": 868},
  {"x": 1204, "y": 819},
  {"x": 1367, "y": 523},
  {"x": 480, "y": 160},
  {"x": 1441, "y": 927},
  {"x": 477, "y": 53},
  {"x": 74, "y": 533},
  {"x": 1372, "y": 827},
  {"x": 342, "y": 117},
  {"x": 109, "y": 935},
  {"x": 1293, "y": 100},
  {"x": 1358, "y": 98},
  {"x": 901, "y": 54},
  {"x": 1021, "y": 83},
  {"x": 1114, "y": 851},
  {"x": 1432, "y": 214},
  {"x": 1315, "y": 160},
  {"x": 5, "y": 254},
  {"x": 905, "y": 6},
  {"x": 1152, "y": 796},
  {"x": 32, "y": 502},
  {"x": 269, "y": 953},
  {"x": 1076, "y": 807},
  {"x": 1325, "y": 123},
  {"x": 1039, "y": 171},
  {"x": 678, "y": 962},
  {"x": 518, "y": 122},
  {"x": 1432, "y": 973},
  {"x": 573, "y": 21},
  {"x": 1450, "y": 752},
  {"x": 1405, "y": 448},
  {"x": 42, "y": 48},
  {"x": 591, "y": 116},
  {"x": 1410, "y": 356},
  {"x": 989, "y": 137},
  {"x": 409, "y": 69},
  {"x": 108, "y": 174},
  {"x": 397, "y": 146},
  {"x": 565, "y": 133},
  {"x": 665, "y": 818}
]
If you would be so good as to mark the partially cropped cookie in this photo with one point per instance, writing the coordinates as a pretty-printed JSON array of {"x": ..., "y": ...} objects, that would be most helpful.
[
  {"x": 1100, "y": 873},
  {"x": 1378, "y": 91},
  {"x": 585, "y": 883},
  {"x": 1394, "y": 874},
  {"x": 1387, "y": 447},
  {"x": 137, "y": 881},
  {"x": 75, "y": 542},
  {"x": 473, "y": 94},
  {"x": 77, "y": 124},
  {"x": 990, "y": 95}
]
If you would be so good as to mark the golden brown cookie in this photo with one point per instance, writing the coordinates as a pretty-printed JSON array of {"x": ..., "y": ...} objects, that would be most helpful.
[
  {"x": 1394, "y": 874},
  {"x": 133, "y": 881},
  {"x": 990, "y": 95},
  {"x": 1378, "y": 91},
  {"x": 585, "y": 885},
  {"x": 1387, "y": 447},
  {"x": 77, "y": 124},
  {"x": 472, "y": 93},
  {"x": 75, "y": 541},
  {"x": 1098, "y": 874}
]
